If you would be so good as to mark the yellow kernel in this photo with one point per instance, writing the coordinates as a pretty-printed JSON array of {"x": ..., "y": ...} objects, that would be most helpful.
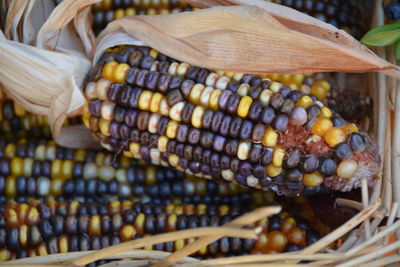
[
  {"x": 237, "y": 76},
  {"x": 197, "y": 116},
  {"x": 195, "y": 93},
  {"x": 182, "y": 69},
  {"x": 108, "y": 70},
  {"x": 144, "y": 100},
  {"x": 120, "y": 72},
  {"x": 335, "y": 136},
  {"x": 19, "y": 111},
  {"x": 312, "y": 179},
  {"x": 304, "y": 101},
  {"x": 172, "y": 128},
  {"x": 324, "y": 83},
  {"x": 350, "y": 128},
  {"x": 134, "y": 148},
  {"x": 162, "y": 143},
  {"x": 127, "y": 154},
  {"x": 119, "y": 13},
  {"x": 153, "y": 53},
  {"x": 305, "y": 89},
  {"x": 214, "y": 99},
  {"x": 325, "y": 112},
  {"x": 347, "y": 169},
  {"x": 319, "y": 91},
  {"x": 155, "y": 102},
  {"x": 270, "y": 137},
  {"x": 321, "y": 126},
  {"x": 205, "y": 96},
  {"x": 273, "y": 170},
  {"x": 16, "y": 166},
  {"x": 244, "y": 106},
  {"x": 130, "y": 12},
  {"x": 278, "y": 155},
  {"x": 104, "y": 126},
  {"x": 173, "y": 159}
]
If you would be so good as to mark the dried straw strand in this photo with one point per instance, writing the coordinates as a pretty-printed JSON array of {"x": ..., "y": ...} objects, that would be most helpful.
[
  {"x": 150, "y": 240},
  {"x": 383, "y": 261},
  {"x": 355, "y": 205},
  {"x": 364, "y": 194}
]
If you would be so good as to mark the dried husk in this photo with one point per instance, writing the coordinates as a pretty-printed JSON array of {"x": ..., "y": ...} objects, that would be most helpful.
[{"x": 246, "y": 39}]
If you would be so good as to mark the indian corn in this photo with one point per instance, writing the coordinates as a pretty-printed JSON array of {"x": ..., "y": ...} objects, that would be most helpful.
[
  {"x": 37, "y": 229},
  {"x": 32, "y": 169},
  {"x": 243, "y": 129}
]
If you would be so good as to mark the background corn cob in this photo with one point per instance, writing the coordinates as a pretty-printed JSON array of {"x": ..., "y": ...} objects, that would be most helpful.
[
  {"x": 32, "y": 169},
  {"x": 31, "y": 229},
  {"x": 15, "y": 121},
  {"x": 243, "y": 129},
  {"x": 340, "y": 13}
]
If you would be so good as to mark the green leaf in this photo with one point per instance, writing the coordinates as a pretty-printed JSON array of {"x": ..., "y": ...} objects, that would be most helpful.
[
  {"x": 383, "y": 28},
  {"x": 382, "y": 38},
  {"x": 397, "y": 50}
]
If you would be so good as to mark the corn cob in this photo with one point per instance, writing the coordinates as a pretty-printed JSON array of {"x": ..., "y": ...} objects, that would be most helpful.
[
  {"x": 244, "y": 129},
  {"x": 16, "y": 121},
  {"x": 340, "y": 13},
  {"x": 32, "y": 229},
  {"x": 108, "y": 10},
  {"x": 31, "y": 169}
]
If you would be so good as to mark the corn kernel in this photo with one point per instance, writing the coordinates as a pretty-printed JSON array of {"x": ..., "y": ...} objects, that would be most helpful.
[
  {"x": 244, "y": 106},
  {"x": 265, "y": 97},
  {"x": 278, "y": 155},
  {"x": 304, "y": 101},
  {"x": 350, "y": 128},
  {"x": 120, "y": 72},
  {"x": 130, "y": 11},
  {"x": 275, "y": 87},
  {"x": 325, "y": 112},
  {"x": 108, "y": 70},
  {"x": 205, "y": 96},
  {"x": 155, "y": 102},
  {"x": 104, "y": 126},
  {"x": 222, "y": 82},
  {"x": 197, "y": 116},
  {"x": 182, "y": 69},
  {"x": 243, "y": 89},
  {"x": 270, "y": 137},
  {"x": 237, "y": 76},
  {"x": 162, "y": 143},
  {"x": 335, "y": 136},
  {"x": 145, "y": 99},
  {"x": 243, "y": 150},
  {"x": 273, "y": 171},
  {"x": 164, "y": 107},
  {"x": 134, "y": 148},
  {"x": 195, "y": 93},
  {"x": 153, "y": 53},
  {"x": 173, "y": 160},
  {"x": 214, "y": 99},
  {"x": 172, "y": 128},
  {"x": 172, "y": 68},
  {"x": 347, "y": 169},
  {"x": 321, "y": 126},
  {"x": 312, "y": 179},
  {"x": 324, "y": 83},
  {"x": 319, "y": 91},
  {"x": 153, "y": 122},
  {"x": 119, "y": 13},
  {"x": 176, "y": 111}
]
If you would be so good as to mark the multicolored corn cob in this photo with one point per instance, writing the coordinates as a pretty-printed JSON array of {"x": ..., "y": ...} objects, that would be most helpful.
[
  {"x": 340, "y": 13},
  {"x": 32, "y": 229},
  {"x": 15, "y": 121},
  {"x": 31, "y": 169},
  {"x": 244, "y": 129},
  {"x": 108, "y": 10}
]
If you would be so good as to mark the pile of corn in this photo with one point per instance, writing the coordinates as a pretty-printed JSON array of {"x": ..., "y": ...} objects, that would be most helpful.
[{"x": 242, "y": 132}]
